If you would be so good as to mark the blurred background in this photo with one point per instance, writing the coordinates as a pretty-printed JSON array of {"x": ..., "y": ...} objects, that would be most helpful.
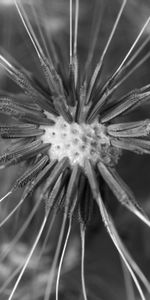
[{"x": 103, "y": 269}]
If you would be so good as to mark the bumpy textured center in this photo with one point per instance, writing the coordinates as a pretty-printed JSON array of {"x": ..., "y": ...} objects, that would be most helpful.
[{"x": 79, "y": 141}]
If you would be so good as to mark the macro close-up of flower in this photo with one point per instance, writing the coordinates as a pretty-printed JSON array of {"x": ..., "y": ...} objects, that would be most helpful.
[{"x": 74, "y": 121}]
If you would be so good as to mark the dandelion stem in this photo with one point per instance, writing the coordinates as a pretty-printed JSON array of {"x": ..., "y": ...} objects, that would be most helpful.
[
  {"x": 32, "y": 36},
  {"x": 130, "y": 72},
  {"x": 51, "y": 76},
  {"x": 22, "y": 80},
  {"x": 12, "y": 212},
  {"x": 128, "y": 282},
  {"x": 4, "y": 197},
  {"x": 20, "y": 232},
  {"x": 82, "y": 231},
  {"x": 120, "y": 68},
  {"x": 122, "y": 192},
  {"x": 62, "y": 257},
  {"x": 28, "y": 27},
  {"x": 47, "y": 235},
  {"x": 103, "y": 100},
  {"x": 100, "y": 63},
  {"x": 137, "y": 52},
  {"x": 132, "y": 47},
  {"x": 129, "y": 101},
  {"x": 71, "y": 35},
  {"x": 29, "y": 257},
  {"x": 55, "y": 261},
  {"x": 105, "y": 92},
  {"x": 76, "y": 27},
  {"x": 133, "y": 264},
  {"x": 39, "y": 28},
  {"x": 114, "y": 236},
  {"x": 75, "y": 60},
  {"x": 42, "y": 12},
  {"x": 94, "y": 33}
]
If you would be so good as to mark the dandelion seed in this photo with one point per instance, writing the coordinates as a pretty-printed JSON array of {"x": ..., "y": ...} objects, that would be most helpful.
[{"x": 69, "y": 134}]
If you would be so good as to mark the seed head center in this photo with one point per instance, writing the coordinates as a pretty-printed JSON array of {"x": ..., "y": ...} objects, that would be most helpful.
[{"x": 78, "y": 141}]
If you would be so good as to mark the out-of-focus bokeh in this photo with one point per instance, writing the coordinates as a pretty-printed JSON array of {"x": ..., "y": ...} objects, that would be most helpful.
[{"x": 103, "y": 267}]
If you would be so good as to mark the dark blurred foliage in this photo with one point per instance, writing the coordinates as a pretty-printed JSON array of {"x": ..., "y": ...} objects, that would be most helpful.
[{"x": 104, "y": 276}]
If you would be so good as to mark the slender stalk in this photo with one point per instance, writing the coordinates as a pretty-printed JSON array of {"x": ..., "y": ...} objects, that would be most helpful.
[
  {"x": 128, "y": 282},
  {"x": 95, "y": 29},
  {"x": 76, "y": 28},
  {"x": 75, "y": 42},
  {"x": 12, "y": 212},
  {"x": 29, "y": 257},
  {"x": 71, "y": 34},
  {"x": 52, "y": 272},
  {"x": 20, "y": 232},
  {"x": 50, "y": 226},
  {"x": 62, "y": 257},
  {"x": 82, "y": 231},
  {"x": 100, "y": 63},
  {"x": 113, "y": 235}
]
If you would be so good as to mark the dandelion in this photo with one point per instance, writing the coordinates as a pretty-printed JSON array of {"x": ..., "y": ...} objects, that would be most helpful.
[{"x": 67, "y": 130}]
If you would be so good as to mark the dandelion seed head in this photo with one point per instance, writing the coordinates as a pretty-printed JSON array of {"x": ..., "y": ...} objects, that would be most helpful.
[{"x": 79, "y": 141}]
